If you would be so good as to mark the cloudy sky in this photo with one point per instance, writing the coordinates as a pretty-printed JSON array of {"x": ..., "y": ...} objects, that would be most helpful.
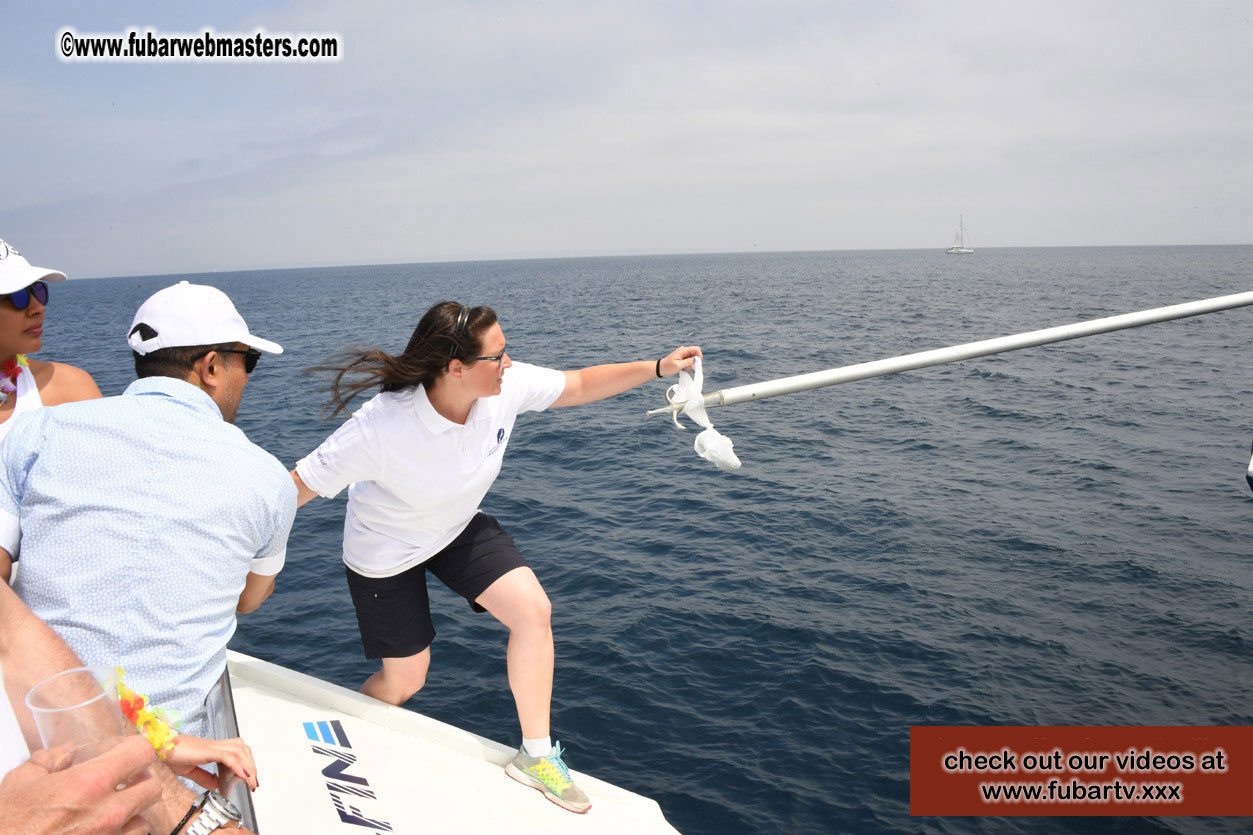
[{"x": 475, "y": 130}]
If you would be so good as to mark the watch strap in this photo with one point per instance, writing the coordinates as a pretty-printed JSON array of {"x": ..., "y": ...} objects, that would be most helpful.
[{"x": 196, "y": 805}]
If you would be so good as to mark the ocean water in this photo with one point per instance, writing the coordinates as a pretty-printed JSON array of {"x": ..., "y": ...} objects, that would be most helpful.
[{"x": 1054, "y": 536}]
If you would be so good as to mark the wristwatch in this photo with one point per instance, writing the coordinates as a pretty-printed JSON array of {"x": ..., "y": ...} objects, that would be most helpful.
[{"x": 217, "y": 811}]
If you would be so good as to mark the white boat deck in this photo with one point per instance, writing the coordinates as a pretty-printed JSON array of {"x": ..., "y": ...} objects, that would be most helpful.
[{"x": 332, "y": 761}]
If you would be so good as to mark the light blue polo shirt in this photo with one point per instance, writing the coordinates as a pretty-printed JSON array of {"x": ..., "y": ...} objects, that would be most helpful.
[{"x": 136, "y": 520}]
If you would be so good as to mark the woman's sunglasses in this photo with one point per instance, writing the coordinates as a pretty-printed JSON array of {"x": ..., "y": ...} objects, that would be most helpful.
[{"x": 21, "y": 299}]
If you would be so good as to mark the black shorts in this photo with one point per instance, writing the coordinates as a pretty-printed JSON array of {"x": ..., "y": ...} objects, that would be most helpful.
[{"x": 394, "y": 613}]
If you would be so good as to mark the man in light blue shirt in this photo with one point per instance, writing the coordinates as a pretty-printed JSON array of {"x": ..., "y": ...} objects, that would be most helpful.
[{"x": 144, "y": 522}]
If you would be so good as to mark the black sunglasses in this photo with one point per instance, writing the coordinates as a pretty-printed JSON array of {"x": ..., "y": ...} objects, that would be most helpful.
[
  {"x": 21, "y": 298},
  {"x": 250, "y": 356}
]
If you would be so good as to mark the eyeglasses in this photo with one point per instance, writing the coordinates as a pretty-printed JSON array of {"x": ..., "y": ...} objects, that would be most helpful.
[
  {"x": 496, "y": 359},
  {"x": 250, "y": 356},
  {"x": 21, "y": 299}
]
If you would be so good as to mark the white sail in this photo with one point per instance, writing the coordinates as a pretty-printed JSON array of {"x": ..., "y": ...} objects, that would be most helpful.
[{"x": 959, "y": 240}]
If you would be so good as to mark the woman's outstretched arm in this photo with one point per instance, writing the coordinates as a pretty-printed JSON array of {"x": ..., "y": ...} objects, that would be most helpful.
[{"x": 587, "y": 385}]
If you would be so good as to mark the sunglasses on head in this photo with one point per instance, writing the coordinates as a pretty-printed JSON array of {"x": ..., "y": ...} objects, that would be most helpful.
[
  {"x": 459, "y": 330},
  {"x": 21, "y": 298},
  {"x": 250, "y": 357}
]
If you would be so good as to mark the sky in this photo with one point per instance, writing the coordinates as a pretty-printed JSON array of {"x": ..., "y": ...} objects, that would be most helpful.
[{"x": 487, "y": 130}]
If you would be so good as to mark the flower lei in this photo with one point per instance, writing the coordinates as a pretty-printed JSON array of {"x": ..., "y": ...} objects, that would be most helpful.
[
  {"x": 8, "y": 382},
  {"x": 158, "y": 725}
]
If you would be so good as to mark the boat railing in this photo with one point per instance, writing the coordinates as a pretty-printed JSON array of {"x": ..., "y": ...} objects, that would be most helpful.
[{"x": 224, "y": 725}]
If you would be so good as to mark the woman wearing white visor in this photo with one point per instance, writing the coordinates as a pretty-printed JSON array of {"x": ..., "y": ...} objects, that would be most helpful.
[{"x": 26, "y": 385}]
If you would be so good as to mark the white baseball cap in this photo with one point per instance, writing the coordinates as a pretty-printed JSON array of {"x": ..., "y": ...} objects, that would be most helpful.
[
  {"x": 191, "y": 314},
  {"x": 16, "y": 273}
]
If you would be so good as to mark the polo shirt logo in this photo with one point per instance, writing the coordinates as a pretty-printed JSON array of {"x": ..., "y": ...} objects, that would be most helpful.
[{"x": 500, "y": 439}]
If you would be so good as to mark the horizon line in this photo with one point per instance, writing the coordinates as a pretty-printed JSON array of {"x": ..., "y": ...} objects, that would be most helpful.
[{"x": 333, "y": 266}]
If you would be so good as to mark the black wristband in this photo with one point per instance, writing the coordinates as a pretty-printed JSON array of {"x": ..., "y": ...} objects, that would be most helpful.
[
  {"x": 195, "y": 807},
  {"x": 659, "y": 368}
]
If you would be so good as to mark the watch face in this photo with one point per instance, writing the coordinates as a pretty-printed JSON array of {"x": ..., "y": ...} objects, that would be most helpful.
[
  {"x": 230, "y": 808},
  {"x": 225, "y": 806}
]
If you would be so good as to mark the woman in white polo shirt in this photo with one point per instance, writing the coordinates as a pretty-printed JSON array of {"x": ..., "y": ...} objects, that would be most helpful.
[{"x": 420, "y": 456}]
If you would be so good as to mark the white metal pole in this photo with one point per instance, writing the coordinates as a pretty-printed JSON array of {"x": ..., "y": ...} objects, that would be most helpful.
[{"x": 970, "y": 350}]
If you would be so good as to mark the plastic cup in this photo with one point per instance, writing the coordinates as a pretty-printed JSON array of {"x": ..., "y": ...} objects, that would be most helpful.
[{"x": 77, "y": 711}]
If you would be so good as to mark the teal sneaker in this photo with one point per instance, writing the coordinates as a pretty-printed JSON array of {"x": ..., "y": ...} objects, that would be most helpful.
[{"x": 551, "y": 776}]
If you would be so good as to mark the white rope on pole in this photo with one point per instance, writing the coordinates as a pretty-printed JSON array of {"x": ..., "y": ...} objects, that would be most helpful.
[{"x": 955, "y": 353}]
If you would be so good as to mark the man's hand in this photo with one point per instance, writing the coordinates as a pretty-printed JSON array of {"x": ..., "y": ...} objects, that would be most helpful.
[{"x": 38, "y": 799}]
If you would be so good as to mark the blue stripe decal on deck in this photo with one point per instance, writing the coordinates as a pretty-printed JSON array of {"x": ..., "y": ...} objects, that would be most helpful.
[
  {"x": 325, "y": 730},
  {"x": 311, "y": 732}
]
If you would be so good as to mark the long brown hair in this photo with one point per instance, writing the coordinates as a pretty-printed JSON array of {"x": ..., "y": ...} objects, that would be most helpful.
[{"x": 448, "y": 331}]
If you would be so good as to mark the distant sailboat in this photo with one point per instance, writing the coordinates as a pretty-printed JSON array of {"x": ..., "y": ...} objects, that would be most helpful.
[{"x": 959, "y": 241}]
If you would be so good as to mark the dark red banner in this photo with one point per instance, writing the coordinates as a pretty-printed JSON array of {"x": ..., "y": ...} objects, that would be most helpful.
[{"x": 1080, "y": 770}]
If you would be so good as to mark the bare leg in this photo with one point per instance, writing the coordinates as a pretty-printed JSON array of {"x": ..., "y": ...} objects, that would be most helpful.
[
  {"x": 399, "y": 679},
  {"x": 518, "y": 601}
]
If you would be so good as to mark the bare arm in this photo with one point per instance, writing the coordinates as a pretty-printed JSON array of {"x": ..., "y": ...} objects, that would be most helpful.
[
  {"x": 36, "y": 797},
  {"x": 257, "y": 587},
  {"x": 303, "y": 493},
  {"x": 6, "y": 566},
  {"x": 61, "y": 383},
  {"x": 30, "y": 652},
  {"x": 175, "y": 800},
  {"x": 587, "y": 385}
]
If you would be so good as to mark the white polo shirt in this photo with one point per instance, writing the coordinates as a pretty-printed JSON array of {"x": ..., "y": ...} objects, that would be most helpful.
[{"x": 417, "y": 478}]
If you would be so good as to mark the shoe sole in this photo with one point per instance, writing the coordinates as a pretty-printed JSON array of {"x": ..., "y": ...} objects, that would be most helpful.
[{"x": 527, "y": 780}]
